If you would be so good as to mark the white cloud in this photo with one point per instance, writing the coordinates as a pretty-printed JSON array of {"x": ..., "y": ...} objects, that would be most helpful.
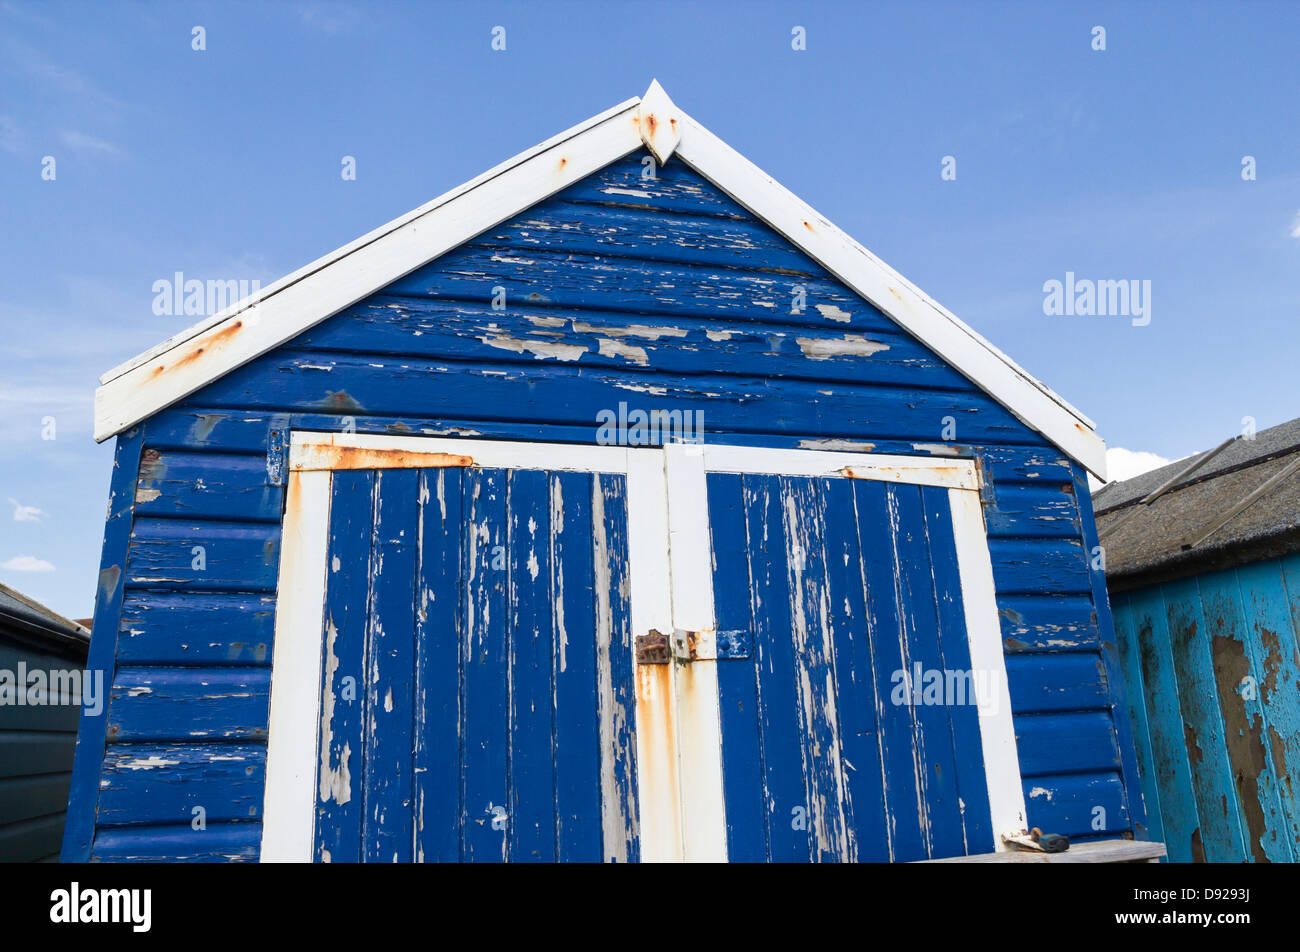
[
  {"x": 25, "y": 513},
  {"x": 1295, "y": 226},
  {"x": 26, "y": 563},
  {"x": 1125, "y": 464},
  {"x": 84, "y": 142},
  {"x": 1122, "y": 464}
]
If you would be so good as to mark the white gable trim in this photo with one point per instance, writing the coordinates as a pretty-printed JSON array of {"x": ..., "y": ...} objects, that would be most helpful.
[{"x": 214, "y": 347}]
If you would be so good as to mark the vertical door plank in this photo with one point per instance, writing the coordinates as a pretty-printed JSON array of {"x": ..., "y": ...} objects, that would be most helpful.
[
  {"x": 1216, "y": 795},
  {"x": 390, "y": 661},
  {"x": 877, "y": 523},
  {"x": 532, "y": 781},
  {"x": 814, "y": 666},
  {"x": 609, "y": 517},
  {"x": 1173, "y": 773},
  {"x": 1254, "y": 774},
  {"x": 438, "y": 714},
  {"x": 936, "y": 768},
  {"x": 485, "y": 695},
  {"x": 742, "y": 763},
  {"x": 1126, "y": 639},
  {"x": 1276, "y": 657},
  {"x": 342, "y": 741},
  {"x": 784, "y": 771},
  {"x": 954, "y": 656},
  {"x": 573, "y": 661},
  {"x": 858, "y": 706}
]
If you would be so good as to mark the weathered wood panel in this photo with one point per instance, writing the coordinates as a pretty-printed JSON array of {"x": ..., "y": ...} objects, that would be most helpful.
[
  {"x": 1075, "y": 741},
  {"x": 1048, "y": 622},
  {"x": 1031, "y": 566},
  {"x": 469, "y": 331},
  {"x": 219, "y": 843},
  {"x": 206, "y": 486},
  {"x": 1078, "y": 805},
  {"x": 572, "y": 395},
  {"x": 181, "y": 783},
  {"x": 203, "y": 556},
  {"x": 195, "y": 628},
  {"x": 1229, "y": 712},
  {"x": 504, "y": 677},
  {"x": 1126, "y": 637},
  {"x": 853, "y": 585},
  {"x": 1042, "y": 509},
  {"x": 1045, "y": 682},
  {"x": 673, "y": 190},
  {"x": 1216, "y": 800},
  {"x": 187, "y": 704}
]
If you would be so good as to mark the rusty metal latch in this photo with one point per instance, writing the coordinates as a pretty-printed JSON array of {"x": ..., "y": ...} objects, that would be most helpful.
[
  {"x": 684, "y": 646},
  {"x": 653, "y": 648}
]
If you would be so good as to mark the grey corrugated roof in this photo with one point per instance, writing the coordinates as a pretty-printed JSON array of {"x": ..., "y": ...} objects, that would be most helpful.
[
  {"x": 25, "y": 611},
  {"x": 1146, "y": 543}
]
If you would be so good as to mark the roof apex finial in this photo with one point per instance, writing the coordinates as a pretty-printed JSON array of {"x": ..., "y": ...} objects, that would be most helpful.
[{"x": 660, "y": 121}]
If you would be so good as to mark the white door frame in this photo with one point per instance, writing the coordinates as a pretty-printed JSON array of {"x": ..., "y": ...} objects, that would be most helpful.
[{"x": 681, "y": 814}]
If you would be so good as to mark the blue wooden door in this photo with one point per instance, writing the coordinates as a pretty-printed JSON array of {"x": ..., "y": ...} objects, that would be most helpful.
[
  {"x": 477, "y": 699},
  {"x": 838, "y": 600}
]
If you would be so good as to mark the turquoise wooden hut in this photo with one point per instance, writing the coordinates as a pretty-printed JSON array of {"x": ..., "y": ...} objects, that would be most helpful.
[{"x": 1203, "y": 562}]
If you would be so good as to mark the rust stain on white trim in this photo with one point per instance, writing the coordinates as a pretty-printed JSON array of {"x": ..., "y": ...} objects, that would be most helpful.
[{"x": 313, "y": 457}]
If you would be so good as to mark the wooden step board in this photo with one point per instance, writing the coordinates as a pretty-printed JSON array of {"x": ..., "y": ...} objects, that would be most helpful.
[{"x": 1100, "y": 851}]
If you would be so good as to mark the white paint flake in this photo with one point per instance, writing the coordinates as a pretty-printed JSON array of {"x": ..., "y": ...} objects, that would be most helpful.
[
  {"x": 833, "y": 313},
  {"x": 852, "y": 345}
]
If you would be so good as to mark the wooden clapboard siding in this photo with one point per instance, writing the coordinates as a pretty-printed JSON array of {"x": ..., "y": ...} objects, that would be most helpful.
[
  {"x": 1213, "y": 664},
  {"x": 219, "y": 842},
  {"x": 37, "y": 742},
  {"x": 662, "y": 294},
  {"x": 193, "y": 628}
]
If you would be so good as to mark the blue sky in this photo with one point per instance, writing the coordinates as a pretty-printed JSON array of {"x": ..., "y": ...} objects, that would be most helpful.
[{"x": 225, "y": 163}]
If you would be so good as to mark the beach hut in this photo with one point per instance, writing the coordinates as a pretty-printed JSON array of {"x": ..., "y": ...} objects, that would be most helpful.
[
  {"x": 1203, "y": 563},
  {"x": 41, "y": 691},
  {"x": 614, "y": 505}
]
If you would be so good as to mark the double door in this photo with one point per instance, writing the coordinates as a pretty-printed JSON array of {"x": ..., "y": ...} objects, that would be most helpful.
[{"x": 542, "y": 652}]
